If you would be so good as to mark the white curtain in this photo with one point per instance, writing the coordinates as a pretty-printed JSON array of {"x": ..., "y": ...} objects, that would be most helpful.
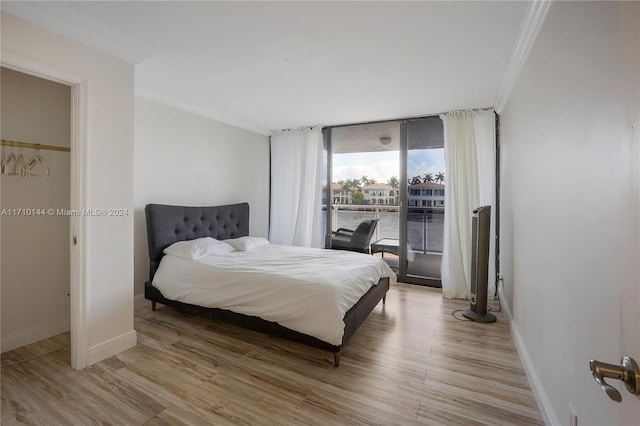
[
  {"x": 296, "y": 187},
  {"x": 469, "y": 153}
]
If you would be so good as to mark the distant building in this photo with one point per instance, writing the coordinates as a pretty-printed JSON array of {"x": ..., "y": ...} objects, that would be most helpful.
[
  {"x": 426, "y": 194},
  {"x": 338, "y": 195},
  {"x": 380, "y": 194}
]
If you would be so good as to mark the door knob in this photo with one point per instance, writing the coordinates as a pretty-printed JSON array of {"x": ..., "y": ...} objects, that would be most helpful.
[{"x": 627, "y": 371}]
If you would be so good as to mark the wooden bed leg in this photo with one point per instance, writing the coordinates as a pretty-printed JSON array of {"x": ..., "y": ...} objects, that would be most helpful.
[
  {"x": 153, "y": 305},
  {"x": 384, "y": 299},
  {"x": 336, "y": 359}
]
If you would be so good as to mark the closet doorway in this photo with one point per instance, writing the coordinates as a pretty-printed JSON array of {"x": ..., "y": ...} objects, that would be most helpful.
[
  {"x": 35, "y": 195},
  {"x": 42, "y": 251}
]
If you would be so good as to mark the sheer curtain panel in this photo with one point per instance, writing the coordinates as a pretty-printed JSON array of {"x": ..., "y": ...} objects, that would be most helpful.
[
  {"x": 296, "y": 192},
  {"x": 469, "y": 152}
]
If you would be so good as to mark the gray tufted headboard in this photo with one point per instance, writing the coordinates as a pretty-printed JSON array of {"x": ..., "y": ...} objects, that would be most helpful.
[{"x": 169, "y": 224}]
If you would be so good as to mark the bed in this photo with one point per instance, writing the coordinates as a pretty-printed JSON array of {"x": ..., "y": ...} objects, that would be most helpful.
[{"x": 170, "y": 226}]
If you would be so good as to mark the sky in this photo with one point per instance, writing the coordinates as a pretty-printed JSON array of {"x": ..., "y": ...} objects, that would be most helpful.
[{"x": 382, "y": 165}]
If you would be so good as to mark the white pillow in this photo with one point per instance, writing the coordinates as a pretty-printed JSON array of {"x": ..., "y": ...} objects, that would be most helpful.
[
  {"x": 246, "y": 243},
  {"x": 197, "y": 248}
]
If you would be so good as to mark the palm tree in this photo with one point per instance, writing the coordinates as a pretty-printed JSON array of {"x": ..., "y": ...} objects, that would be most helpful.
[
  {"x": 352, "y": 183},
  {"x": 393, "y": 182},
  {"x": 428, "y": 177},
  {"x": 440, "y": 177},
  {"x": 415, "y": 180},
  {"x": 364, "y": 180}
]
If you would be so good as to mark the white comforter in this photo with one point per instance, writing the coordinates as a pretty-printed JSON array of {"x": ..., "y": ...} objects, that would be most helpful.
[{"x": 304, "y": 289}]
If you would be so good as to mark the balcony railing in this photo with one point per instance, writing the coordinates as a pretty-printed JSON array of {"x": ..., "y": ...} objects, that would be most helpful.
[
  {"x": 425, "y": 225},
  {"x": 425, "y": 229}
]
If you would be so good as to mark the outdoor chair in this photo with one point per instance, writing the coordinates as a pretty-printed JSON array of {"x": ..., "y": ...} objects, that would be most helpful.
[{"x": 354, "y": 240}]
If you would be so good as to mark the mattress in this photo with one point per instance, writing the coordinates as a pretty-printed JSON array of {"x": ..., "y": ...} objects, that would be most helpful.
[{"x": 307, "y": 290}]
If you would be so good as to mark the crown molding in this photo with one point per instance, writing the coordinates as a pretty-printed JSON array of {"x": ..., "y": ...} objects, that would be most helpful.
[
  {"x": 530, "y": 25},
  {"x": 181, "y": 104},
  {"x": 63, "y": 19}
]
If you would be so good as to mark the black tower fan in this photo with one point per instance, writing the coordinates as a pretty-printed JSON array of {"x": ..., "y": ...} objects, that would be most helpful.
[{"x": 480, "y": 227}]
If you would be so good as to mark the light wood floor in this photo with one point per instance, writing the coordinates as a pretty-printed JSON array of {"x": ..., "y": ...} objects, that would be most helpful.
[{"x": 410, "y": 363}]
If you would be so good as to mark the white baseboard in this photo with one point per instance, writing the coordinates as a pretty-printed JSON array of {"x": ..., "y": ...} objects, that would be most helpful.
[
  {"x": 505, "y": 308},
  {"x": 112, "y": 347},
  {"x": 544, "y": 404},
  {"x": 35, "y": 334}
]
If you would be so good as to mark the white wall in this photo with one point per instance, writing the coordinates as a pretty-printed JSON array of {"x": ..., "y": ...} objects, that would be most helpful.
[
  {"x": 35, "y": 301},
  {"x": 564, "y": 206},
  {"x": 184, "y": 159},
  {"x": 109, "y": 174}
]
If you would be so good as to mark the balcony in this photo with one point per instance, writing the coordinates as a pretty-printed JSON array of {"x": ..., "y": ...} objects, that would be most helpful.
[{"x": 425, "y": 235}]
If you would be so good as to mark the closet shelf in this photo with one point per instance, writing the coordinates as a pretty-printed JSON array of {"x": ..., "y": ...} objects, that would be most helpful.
[{"x": 35, "y": 145}]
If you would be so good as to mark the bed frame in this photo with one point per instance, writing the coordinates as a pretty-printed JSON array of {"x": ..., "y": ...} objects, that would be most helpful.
[{"x": 168, "y": 224}]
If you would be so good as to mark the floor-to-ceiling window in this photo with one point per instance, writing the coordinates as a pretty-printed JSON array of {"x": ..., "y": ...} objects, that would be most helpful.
[
  {"x": 364, "y": 180},
  {"x": 392, "y": 171},
  {"x": 424, "y": 213}
]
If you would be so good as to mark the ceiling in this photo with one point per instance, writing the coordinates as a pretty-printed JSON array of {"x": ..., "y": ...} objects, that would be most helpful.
[{"x": 274, "y": 65}]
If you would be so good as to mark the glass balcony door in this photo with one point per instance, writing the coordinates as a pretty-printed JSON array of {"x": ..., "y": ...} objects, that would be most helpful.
[{"x": 423, "y": 204}]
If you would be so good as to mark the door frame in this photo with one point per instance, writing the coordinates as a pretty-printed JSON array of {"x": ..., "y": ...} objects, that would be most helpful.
[
  {"x": 630, "y": 287},
  {"x": 78, "y": 174}
]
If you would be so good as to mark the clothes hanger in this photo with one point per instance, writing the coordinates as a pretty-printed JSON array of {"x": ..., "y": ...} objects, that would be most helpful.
[
  {"x": 38, "y": 162},
  {"x": 24, "y": 168},
  {"x": 12, "y": 168}
]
